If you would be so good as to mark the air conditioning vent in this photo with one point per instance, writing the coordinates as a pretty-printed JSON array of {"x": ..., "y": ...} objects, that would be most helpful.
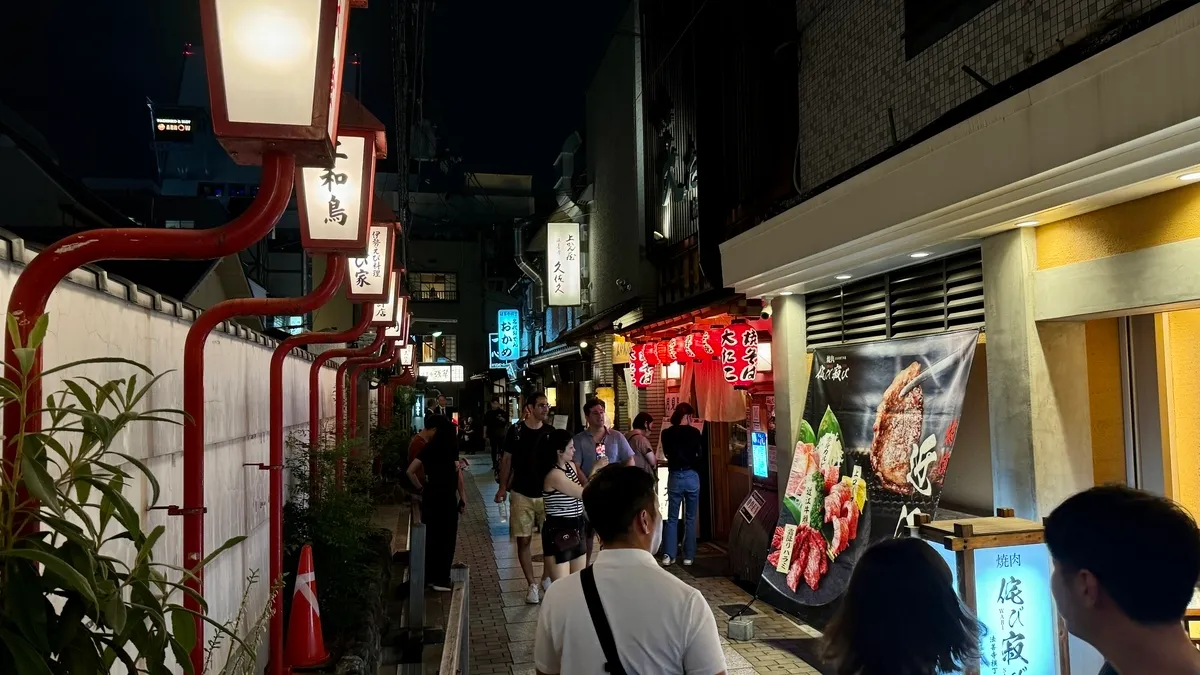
[{"x": 938, "y": 296}]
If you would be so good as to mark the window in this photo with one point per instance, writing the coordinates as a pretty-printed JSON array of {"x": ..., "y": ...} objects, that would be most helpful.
[
  {"x": 927, "y": 21},
  {"x": 289, "y": 324},
  {"x": 181, "y": 224},
  {"x": 441, "y": 348},
  {"x": 433, "y": 286}
]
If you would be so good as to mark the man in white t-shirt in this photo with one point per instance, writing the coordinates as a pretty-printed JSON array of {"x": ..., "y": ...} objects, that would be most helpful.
[{"x": 660, "y": 625}]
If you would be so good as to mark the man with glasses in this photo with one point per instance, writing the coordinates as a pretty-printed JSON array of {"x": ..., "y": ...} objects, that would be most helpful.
[
  {"x": 596, "y": 440},
  {"x": 518, "y": 470}
]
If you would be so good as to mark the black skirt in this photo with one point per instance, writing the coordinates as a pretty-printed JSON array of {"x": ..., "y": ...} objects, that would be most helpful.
[{"x": 563, "y": 538}]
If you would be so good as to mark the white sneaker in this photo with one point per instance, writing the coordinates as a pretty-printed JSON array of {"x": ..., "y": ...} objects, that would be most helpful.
[
  {"x": 688, "y": 563},
  {"x": 667, "y": 561},
  {"x": 546, "y": 584},
  {"x": 534, "y": 597}
]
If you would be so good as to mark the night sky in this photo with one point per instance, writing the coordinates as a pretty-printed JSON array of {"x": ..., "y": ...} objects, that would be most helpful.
[{"x": 504, "y": 81}]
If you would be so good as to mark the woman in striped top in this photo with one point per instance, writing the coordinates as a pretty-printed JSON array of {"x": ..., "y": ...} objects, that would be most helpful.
[{"x": 563, "y": 547}]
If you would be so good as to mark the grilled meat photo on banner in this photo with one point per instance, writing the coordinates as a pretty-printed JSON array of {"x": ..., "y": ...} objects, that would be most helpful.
[{"x": 887, "y": 417}]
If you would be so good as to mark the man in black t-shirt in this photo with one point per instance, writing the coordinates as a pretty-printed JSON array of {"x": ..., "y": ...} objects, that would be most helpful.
[
  {"x": 495, "y": 423},
  {"x": 518, "y": 471}
]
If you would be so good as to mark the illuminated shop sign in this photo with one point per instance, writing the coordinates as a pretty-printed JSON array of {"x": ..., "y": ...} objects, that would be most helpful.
[
  {"x": 508, "y": 345},
  {"x": 440, "y": 372},
  {"x": 563, "y": 268},
  {"x": 174, "y": 125}
]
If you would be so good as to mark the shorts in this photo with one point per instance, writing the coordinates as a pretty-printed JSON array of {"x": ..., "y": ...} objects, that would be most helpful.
[
  {"x": 555, "y": 525},
  {"x": 523, "y": 513}
]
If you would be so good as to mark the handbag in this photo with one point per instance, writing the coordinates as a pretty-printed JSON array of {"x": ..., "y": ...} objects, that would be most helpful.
[
  {"x": 600, "y": 620},
  {"x": 565, "y": 538}
]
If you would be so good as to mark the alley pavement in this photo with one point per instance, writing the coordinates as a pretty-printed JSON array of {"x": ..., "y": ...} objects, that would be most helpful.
[{"x": 503, "y": 626}]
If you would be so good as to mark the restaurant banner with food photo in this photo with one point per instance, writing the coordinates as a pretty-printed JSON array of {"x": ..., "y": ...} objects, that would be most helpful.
[{"x": 879, "y": 427}]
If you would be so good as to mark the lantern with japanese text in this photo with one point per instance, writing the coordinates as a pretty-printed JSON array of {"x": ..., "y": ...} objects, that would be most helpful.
[
  {"x": 675, "y": 349},
  {"x": 643, "y": 372},
  {"x": 275, "y": 76},
  {"x": 704, "y": 346},
  {"x": 663, "y": 350},
  {"x": 336, "y": 203},
  {"x": 691, "y": 346},
  {"x": 368, "y": 275},
  {"x": 396, "y": 330},
  {"x": 384, "y": 313},
  {"x": 739, "y": 354},
  {"x": 406, "y": 356},
  {"x": 650, "y": 353}
]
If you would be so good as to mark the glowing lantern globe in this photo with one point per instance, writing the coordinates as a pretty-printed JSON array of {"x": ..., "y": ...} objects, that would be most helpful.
[
  {"x": 643, "y": 372},
  {"x": 384, "y": 313},
  {"x": 739, "y": 354},
  {"x": 275, "y": 76},
  {"x": 368, "y": 275},
  {"x": 649, "y": 353},
  {"x": 704, "y": 345},
  {"x": 662, "y": 349}
]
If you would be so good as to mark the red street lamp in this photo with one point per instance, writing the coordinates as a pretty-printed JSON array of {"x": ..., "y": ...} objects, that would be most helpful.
[
  {"x": 275, "y": 76},
  {"x": 397, "y": 330},
  {"x": 314, "y": 392},
  {"x": 383, "y": 314},
  {"x": 369, "y": 275},
  {"x": 338, "y": 390},
  {"x": 739, "y": 354},
  {"x": 386, "y": 358}
]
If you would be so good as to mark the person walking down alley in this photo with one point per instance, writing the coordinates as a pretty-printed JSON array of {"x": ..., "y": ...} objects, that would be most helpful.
[
  {"x": 495, "y": 423},
  {"x": 563, "y": 547},
  {"x": 625, "y": 614},
  {"x": 684, "y": 450},
  {"x": 441, "y": 503},
  {"x": 518, "y": 471},
  {"x": 901, "y": 614},
  {"x": 1115, "y": 595}
]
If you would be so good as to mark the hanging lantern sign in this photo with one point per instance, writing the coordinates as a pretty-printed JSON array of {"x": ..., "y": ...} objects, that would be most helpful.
[
  {"x": 643, "y": 372},
  {"x": 405, "y": 327},
  {"x": 384, "y": 313},
  {"x": 650, "y": 353},
  {"x": 368, "y": 275},
  {"x": 704, "y": 345},
  {"x": 739, "y": 354},
  {"x": 691, "y": 347},
  {"x": 406, "y": 355},
  {"x": 662, "y": 349},
  {"x": 563, "y": 271},
  {"x": 396, "y": 330},
  {"x": 675, "y": 350}
]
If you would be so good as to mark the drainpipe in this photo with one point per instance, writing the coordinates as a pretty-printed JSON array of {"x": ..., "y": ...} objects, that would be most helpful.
[
  {"x": 193, "y": 429},
  {"x": 314, "y": 394},
  {"x": 539, "y": 286}
]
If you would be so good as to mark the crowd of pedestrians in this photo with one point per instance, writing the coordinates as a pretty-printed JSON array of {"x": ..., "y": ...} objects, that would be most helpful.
[{"x": 1126, "y": 563}]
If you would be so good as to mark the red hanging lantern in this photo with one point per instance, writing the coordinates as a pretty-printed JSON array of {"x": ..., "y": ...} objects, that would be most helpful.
[
  {"x": 643, "y": 372},
  {"x": 739, "y": 354},
  {"x": 678, "y": 355},
  {"x": 689, "y": 347},
  {"x": 662, "y": 349},
  {"x": 650, "y": 353},
  {"x": 705, "y": 345}
]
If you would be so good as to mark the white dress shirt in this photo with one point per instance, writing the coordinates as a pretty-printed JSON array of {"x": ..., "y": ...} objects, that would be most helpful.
[{"x": 661, "y": 625}]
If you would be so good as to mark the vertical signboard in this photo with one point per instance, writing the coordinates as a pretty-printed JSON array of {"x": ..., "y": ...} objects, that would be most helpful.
[
  {"x": 494, "y": 360},
  {"x": 508, "y": 324},
  {"x": 369, "y": 274},
  {"x": 332, "y": 210},
  {"x": 562, "y": 263}
]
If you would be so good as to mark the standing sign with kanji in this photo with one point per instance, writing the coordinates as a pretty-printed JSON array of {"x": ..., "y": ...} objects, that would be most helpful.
[
  {"x": 508, "y": 324},
  {"x": 368, "y": 275},
  {"x": 563, "y": 268}
]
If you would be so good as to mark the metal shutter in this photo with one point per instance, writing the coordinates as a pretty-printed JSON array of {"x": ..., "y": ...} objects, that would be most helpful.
[{"x": 941, "y": 295}]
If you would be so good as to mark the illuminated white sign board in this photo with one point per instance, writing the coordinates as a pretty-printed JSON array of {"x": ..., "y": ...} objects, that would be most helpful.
[
  {"x": 333, "y": 198},
  {"x": 396, "y": 330},
  {"x": 369, "y": 275},
  {"x": 440, "y": 373},
  {"x": 385, "y": 312},
  {"x": 406, "y": 355},
  {"x": 508, "y": 339},
  {"x": 563, "y": 263}
]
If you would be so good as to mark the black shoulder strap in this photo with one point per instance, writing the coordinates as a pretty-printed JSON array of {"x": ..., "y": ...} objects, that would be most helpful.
[{"x": 600, "y": 620}]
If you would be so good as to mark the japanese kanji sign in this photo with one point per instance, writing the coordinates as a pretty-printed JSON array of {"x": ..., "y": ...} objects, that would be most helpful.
[
  {"x": 396, "y": 330},
  {"x": 384, "y": 313},
  {"x": 336, "y": 201},
  {"x": 1013, "y": 601},
  {"x": 368, "y": 275},
  {"x": 563, "y": 263},
  {"x": 508, "y": 345}
]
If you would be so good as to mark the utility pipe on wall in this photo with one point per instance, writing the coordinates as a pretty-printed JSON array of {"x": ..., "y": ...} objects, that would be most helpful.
[{"x": 193, "y": 427}]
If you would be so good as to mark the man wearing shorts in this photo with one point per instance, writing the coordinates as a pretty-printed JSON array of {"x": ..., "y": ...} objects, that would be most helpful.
[{"x": 517, "y": 470}]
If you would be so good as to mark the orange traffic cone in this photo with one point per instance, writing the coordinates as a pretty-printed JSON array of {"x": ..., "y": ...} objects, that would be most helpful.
[{"x": 305, "y": 645}]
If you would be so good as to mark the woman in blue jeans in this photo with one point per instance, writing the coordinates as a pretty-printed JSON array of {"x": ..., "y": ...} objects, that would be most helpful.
[{"x": 684, "y": 450}]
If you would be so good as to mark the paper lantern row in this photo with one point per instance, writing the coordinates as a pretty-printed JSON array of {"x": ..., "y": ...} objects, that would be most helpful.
[{"x": 735, "y": 347}]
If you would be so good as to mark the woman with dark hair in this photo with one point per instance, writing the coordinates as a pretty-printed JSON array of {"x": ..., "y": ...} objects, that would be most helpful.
[
  {"x": 564, "y": 550},
  {"x": 684, "y": 449},
  {"x": 901, "y": 616},
  {"x": 639, "y": 441},
  {"x": 442, "y": 500}
]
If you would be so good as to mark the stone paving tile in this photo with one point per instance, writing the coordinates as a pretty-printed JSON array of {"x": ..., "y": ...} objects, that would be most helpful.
[
  {"x": 522, "y": 652},
  {"x": 522, "y": 614},
  {"x": 514, "y": 599},
  {"x": 518, "y": 632},
  {"x": 524, "y": 670},
  {"x": 510, "y": 585}
]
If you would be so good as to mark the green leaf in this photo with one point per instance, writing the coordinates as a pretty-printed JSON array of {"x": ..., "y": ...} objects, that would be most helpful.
[
  {"x": 80, "y": 395},
  {"x": 829, "y": 425},
  {"x": 794, "y": 509},
  {"x": 183, "y": 628},
  {"x": 182, "y": 657},
  {"x": 38, "y": 333},
  {"x": 114, "y": 612},
  {"x": 83, "y": 489},
  {"x": 25, "y": 657},
  {"x": 26, "y": 606},
  {"x": 40, "y": 485},
  {"x": 100, "y": 359},
  {"x": 154, "y": 488},
  {"x": 806, "y": 433},
  {"x": 73, "y": 578},
  {"x": 14, "y": 332},
  {"x": 25, "y": 357},
  {"x": 230, "y": 543},
  {"x": 148, "y": 545}
]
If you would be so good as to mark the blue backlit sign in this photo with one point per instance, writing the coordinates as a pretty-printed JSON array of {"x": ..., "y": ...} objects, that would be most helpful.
[
  {"x": 758, "y": 453},
  {"x": 508, "y": 326}
]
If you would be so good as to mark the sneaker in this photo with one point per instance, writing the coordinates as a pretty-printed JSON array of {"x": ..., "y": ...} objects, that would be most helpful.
[
  {"x": 667, "y": 561},
  {"x": 441, "y": 589},
  {"x": 534, "y": 596},
  {"x": 546, "y": 584},
  {"x": 687, "y": 562}
]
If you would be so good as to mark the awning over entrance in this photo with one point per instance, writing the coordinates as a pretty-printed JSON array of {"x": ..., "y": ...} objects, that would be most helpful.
[
  {"x": 597, "y": 324},
  {"x": 709, "y": 305}
]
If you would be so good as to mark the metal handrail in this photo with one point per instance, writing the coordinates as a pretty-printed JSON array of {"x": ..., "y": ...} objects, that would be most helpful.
[
  {"x": 456, "y": 650},
  {"x": 416, "y": 568}
]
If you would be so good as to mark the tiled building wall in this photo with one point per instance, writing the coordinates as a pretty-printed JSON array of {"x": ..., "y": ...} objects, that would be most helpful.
[{"x": 854, "y": 68}]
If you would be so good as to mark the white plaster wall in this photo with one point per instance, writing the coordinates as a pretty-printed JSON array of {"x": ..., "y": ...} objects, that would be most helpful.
[{"x": 86, "y": 323}]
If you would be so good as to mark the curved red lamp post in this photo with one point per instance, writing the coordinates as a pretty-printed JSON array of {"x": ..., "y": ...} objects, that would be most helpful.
[
  {"x": 324, "y": 358},
  {"x": 193, "y": 427},
  {"x": 385, "y": 358},
  {"x": 314, "y": 388},
  {"x": 33, "y": 288},
  {"x": 335, "y": 273}
]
